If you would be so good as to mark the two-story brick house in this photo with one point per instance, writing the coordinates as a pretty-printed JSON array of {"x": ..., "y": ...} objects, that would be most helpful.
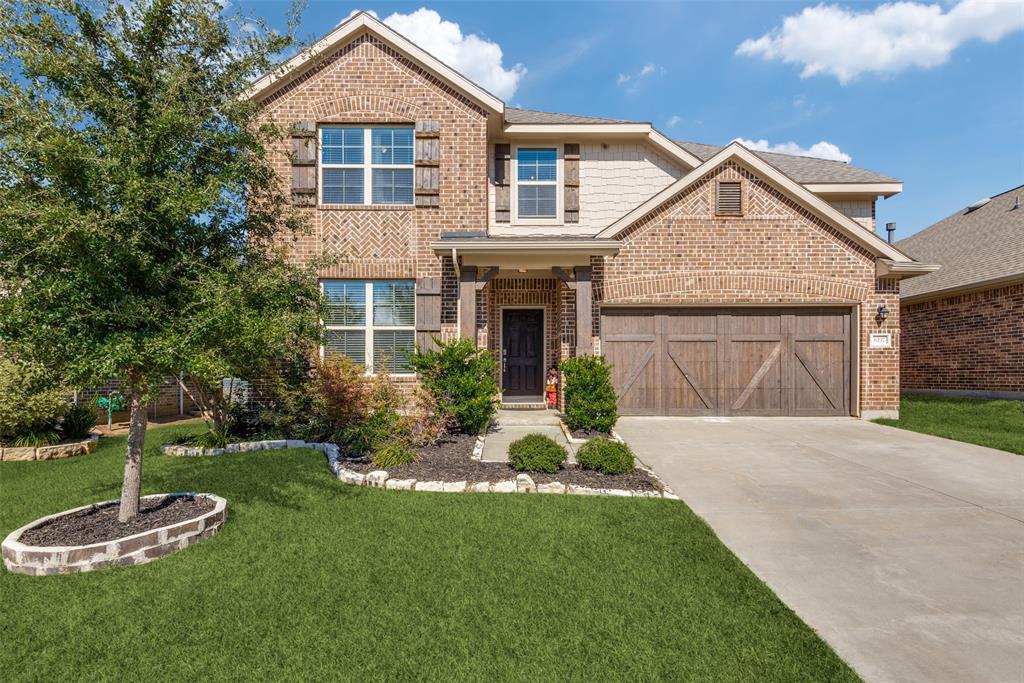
[{"x": 717, "y": 281}]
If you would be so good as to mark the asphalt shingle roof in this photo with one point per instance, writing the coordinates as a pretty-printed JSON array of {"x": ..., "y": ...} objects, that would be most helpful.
[
  {"x": 801, "y": 169},
  {"x": 515, "y": 115},
  {"x": 971, "y": 246}
]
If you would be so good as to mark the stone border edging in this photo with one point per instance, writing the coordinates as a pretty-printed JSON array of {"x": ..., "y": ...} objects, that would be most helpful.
[
  {"x": 523, "y": 483},
  {"x": 54, "y": 452},
  {"x": 140, "y": 548}
]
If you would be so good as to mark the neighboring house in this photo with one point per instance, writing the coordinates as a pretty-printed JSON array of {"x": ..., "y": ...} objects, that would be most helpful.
[
  {"x": 717, "y": 281},
  {"x": 963, "y": 326}
]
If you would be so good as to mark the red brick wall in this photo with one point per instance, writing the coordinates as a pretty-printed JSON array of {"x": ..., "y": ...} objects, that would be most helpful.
[
  {"x": 365, "y": 81},
  {"x": 972, "y": 342},
  {"x": 776, "y": 253}
]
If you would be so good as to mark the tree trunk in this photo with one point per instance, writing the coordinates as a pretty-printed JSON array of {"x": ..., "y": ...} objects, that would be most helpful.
[{"x": 133, "y": 458}]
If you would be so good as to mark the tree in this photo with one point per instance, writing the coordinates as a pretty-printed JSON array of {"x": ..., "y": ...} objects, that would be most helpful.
[{"x": 133, "y": 181}]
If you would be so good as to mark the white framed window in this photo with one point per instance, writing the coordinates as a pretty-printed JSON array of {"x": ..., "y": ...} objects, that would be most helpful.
[
  {"x": 366, "y": 165},
  {"x": 536, "y": 183},
  {"x": 373, "y": 322}
]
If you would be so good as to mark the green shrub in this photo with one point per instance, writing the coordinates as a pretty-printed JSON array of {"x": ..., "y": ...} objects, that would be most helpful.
[
  {"x": 78, "y": 421},
  {"x": 605, "y": 456},
  {"x": 536, "y": 453},
  {"x": 461, "y": 378},
  {"x": 37, "y": 437},
  {"x": 211, "y": 439},
  {"x": 31, "y": 405},
  {"x": 381, "y": 425},
  {"x": 392, "y": 455},
  {"x": 590, "y": 401}
]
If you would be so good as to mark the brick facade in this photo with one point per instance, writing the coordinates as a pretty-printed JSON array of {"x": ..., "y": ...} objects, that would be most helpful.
[
  {"x": 368, "y": 82},
  {"x": 965, "y": 342},
  {"x": 776, "y": 253}
]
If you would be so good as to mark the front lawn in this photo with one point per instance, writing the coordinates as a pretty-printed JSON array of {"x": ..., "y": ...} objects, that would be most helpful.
[
  {"x": 996, "y": 424},
  {"x": 312, "y": 579}
]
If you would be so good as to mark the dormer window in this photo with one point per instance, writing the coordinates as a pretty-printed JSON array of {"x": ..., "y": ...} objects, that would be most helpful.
[{"x": 537, "y": 182}]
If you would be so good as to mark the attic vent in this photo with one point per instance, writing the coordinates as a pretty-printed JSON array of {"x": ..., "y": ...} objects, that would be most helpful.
[
  {"x": 978, "y": 204},
  {"x": 729, "y": 201}
]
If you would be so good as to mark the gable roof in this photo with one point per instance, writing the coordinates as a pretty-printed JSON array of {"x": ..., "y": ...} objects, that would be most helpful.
[
  {"x": 974, "y": 246},
  {"x": 350, "y": 28},
  {"x": 804, "y": 170},
  {"x": 808, "y": 199}
]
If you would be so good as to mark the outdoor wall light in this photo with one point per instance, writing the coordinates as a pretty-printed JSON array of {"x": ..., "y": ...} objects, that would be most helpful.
[{"x": 883, "y": 312}]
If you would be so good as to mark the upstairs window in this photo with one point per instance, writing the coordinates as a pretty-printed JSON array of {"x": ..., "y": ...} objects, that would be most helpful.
[
  {"x": 366, "y": 165},
  {"x": 373, "y": 322},
  {"x": 537, "y": 182}
]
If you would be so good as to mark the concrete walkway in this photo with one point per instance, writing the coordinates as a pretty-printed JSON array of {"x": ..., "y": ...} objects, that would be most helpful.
[
  {"x": 511, "y": 425},
  {"x": 904, "y": 551}
]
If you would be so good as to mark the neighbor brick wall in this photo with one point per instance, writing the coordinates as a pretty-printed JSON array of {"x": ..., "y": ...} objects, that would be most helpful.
[
  {"x": 367, "y": 82},
  {"x": 776, "y": 253},
  {"x": 972, "y": 341}
]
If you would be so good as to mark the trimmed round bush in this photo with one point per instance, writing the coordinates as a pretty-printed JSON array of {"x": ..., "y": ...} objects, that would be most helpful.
[
  {"x": 536, "y": 453},
  {"x": 393, "y": 455},
  {"x": 608, "y": 457}
]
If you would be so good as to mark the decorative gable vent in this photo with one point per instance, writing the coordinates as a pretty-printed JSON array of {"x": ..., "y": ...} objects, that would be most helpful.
[{"x": 730, "y": 199}]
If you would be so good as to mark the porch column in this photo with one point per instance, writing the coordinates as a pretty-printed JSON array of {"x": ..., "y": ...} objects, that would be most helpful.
[
  {"x": 584, "y": 313},
  {"x": 467, "y": 303}
]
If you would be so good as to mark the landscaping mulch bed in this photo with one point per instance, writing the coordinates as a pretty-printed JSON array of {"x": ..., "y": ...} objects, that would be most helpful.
[
  {"x": 588, "y": 434},
  {"x": 99, "y": 524},
  {"x": 450, "y": 460}
]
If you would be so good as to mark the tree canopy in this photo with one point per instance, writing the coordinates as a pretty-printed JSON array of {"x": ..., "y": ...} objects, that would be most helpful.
[{"x": 135, "y": 195}]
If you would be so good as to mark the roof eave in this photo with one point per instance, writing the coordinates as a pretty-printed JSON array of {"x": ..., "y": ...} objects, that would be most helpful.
[
  {"x": 960, "y": 289},
  {"x": 885, "y": 267},
  {"x": 883, "y": 189},
  {"x": 582, "y": 130}
]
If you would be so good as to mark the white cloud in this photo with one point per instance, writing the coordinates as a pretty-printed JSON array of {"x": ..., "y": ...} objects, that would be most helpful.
[
  {"x": 632, "y": 81},
  {"x": 828, "y": 39},
  {"x": 821, "y": 150},
  {"x": 674, "y": 121},
  {"x": 476, "y": 58}
]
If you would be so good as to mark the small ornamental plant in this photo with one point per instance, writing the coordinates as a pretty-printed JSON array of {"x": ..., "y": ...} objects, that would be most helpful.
[
  {"x": 590, "y": 401},
  {"x": 536, "y": 453},
  {"x": 604, "y": 456}
]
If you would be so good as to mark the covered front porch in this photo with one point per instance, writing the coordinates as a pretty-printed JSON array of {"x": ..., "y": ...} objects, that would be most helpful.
[{"x": 528, "y": 300}]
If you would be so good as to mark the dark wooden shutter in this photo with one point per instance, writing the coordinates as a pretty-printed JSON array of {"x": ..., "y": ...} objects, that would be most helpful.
[
  {"x": 428, "y": 163},
  {"x": 571, "y": 164},
  {"x": 428, "y": 312},
  {"x": 730, "y": 199},
  {"x": 502, "y": 186},
  {"x": 303, "y": 157}
]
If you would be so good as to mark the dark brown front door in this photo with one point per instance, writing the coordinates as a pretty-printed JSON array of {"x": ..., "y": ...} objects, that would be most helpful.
[
  {"x": 708, "y": 361},
  {"x": 522, "y": 347}
]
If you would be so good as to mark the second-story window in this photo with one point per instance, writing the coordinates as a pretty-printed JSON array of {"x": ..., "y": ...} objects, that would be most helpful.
[
  {"x": 366, "y": 165},
  {"x": 537, "y": 182}
]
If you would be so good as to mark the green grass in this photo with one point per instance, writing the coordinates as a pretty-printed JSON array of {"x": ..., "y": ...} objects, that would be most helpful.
[
  {"x": 312, "y": 579},
  {"x": 996, "y": 424}
]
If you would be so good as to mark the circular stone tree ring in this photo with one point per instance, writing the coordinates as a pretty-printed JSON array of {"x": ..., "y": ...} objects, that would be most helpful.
[{"x": 138, "y": 548}]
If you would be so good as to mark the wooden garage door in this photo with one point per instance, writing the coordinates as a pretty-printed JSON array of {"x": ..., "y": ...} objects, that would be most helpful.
[{"x": 729, "y": 361}]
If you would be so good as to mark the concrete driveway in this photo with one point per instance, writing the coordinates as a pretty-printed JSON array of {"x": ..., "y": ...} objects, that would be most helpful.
[{"x": 904, "y": 551}]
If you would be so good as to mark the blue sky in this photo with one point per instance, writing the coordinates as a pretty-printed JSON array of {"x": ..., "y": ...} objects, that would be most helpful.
[{"x": 930, "y": 94}]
